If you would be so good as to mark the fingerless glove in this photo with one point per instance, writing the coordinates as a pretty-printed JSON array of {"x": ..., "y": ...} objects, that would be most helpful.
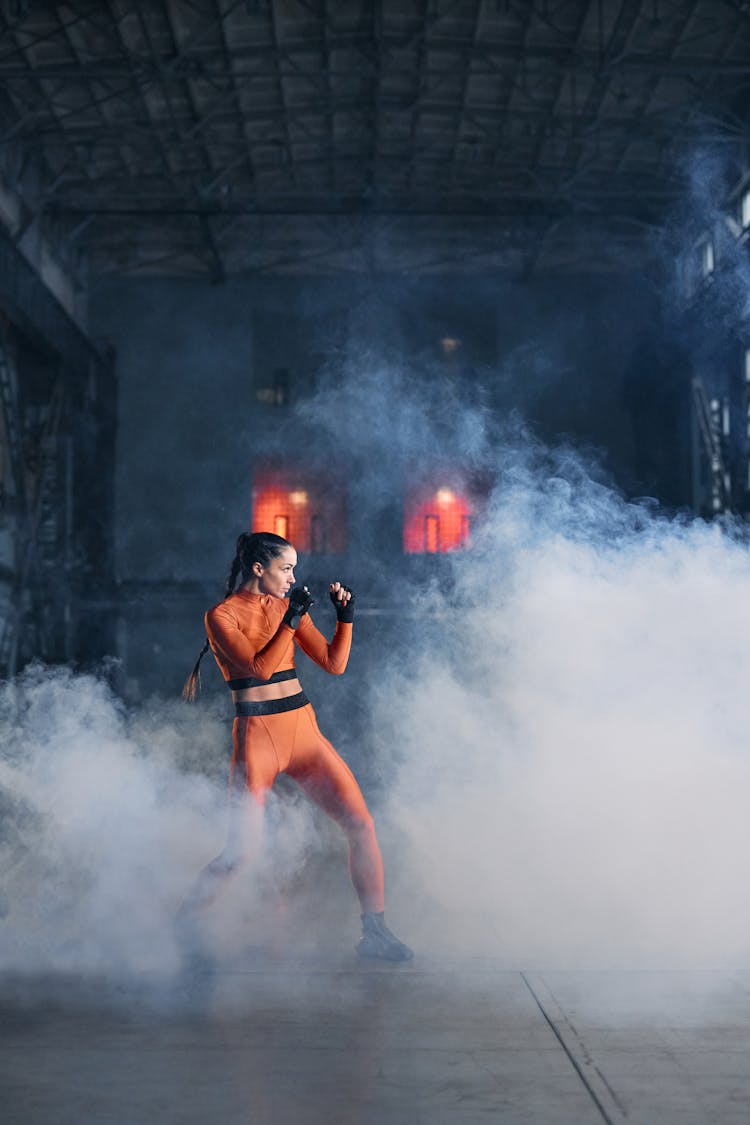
[
  {"x": 300, "y": 600},
  {"x": 344, "y": 610}
]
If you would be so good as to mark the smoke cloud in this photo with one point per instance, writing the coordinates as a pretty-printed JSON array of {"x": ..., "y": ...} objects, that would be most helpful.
[
  {"x": 575, "y": 763},
  {"x": 561, "y": 732},
  {"x": 108, "y": 815}
]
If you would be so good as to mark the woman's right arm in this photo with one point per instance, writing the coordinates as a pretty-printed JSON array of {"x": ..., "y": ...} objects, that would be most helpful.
[{"x": 236, "y": 647}]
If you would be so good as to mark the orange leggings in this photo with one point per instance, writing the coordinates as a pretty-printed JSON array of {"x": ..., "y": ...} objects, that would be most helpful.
[{"x": 291, "y": 743}]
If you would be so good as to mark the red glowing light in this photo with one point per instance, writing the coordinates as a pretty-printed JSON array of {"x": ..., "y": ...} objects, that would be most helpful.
[
  {"x": 436, "y": 520},
  {"x": 305, "y": 506}
]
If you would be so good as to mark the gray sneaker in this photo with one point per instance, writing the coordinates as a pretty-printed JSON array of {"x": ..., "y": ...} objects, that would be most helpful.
[{"x": 378, "y": 943}]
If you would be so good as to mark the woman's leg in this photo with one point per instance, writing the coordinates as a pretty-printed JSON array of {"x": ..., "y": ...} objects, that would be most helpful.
[
  {"x": 328, "y": 781},
  {"x": 254, "y": 768}
]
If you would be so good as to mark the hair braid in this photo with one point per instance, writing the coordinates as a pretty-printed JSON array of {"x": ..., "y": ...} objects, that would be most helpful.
[
  {"x": 234, "y": 570},
  {"x": 193, "y": 682}
]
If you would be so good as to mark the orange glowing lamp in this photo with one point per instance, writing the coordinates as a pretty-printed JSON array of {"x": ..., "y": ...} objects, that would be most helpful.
[
  {"x": 304, "y": 506},
  {"x": 436, "y": 520}
]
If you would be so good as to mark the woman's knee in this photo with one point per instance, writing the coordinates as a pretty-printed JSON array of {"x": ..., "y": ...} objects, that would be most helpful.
[
  {"x": 248, "y": 796},
  {"x": 360, "y": 825}
]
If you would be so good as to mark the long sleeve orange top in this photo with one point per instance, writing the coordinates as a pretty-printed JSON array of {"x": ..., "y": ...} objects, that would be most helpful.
[{"x": 248, "y": 638}]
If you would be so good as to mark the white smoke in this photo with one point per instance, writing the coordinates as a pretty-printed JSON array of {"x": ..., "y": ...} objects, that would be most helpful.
[
  {"x": 574, "y": 760},
  {"x": 108, "y": 816}
]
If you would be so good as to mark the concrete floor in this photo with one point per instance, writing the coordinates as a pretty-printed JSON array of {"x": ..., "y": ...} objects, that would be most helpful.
[{"x": 440, "y": 1043}]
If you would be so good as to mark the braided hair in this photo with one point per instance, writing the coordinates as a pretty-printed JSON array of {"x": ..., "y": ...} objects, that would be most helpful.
[{"x": 252, "y": 547}]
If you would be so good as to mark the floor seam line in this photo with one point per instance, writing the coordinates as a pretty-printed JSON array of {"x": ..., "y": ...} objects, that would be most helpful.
[{"x": 571, "y": 1057}]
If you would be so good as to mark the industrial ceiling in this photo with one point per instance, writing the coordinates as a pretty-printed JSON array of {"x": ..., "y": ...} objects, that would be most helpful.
[{"x": 213, "y": 137}]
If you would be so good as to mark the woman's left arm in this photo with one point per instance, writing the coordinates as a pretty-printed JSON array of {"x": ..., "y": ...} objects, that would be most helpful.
[{"x": 332, "y": 657}]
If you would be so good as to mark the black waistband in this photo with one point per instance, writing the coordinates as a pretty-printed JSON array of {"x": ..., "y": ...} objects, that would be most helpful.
[
  {"x": 250, "y": 681},
  {"x": 271, "y": 706}
]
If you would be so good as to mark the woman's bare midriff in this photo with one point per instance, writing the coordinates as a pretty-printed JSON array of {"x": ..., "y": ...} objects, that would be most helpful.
[{"x": 267, "y": 691}]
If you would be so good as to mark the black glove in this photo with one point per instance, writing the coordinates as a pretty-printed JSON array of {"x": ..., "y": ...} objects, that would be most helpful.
[
  {"x": 344, "y": 610},
  {"x": 300, "y": 600}
]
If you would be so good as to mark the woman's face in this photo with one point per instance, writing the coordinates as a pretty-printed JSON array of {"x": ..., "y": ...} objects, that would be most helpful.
[{"x": 278, "y": 577}]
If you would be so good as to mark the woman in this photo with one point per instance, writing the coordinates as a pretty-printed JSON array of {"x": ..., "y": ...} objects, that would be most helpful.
[{"x": 252, "y": 634}]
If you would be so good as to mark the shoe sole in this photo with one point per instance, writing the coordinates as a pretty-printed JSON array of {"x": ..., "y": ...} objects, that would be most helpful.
[{"x": 400, "y": 959}]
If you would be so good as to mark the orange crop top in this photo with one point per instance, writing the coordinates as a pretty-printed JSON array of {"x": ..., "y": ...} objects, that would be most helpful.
[{"x": 247, "y": 638}]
